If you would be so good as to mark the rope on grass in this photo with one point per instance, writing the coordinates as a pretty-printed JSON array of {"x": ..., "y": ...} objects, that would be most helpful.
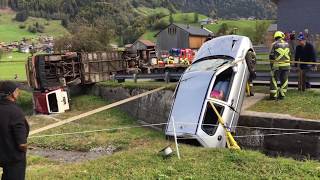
[
  {"x": 95, "y": 131},
  {"x": 304, "y": 131}
]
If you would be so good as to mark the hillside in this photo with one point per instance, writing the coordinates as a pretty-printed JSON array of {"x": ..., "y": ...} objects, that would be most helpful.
[
  {"x": 131, "y": 18},
  {"x": 10, "y": 30},
  {"x": 226, "y": 9}
]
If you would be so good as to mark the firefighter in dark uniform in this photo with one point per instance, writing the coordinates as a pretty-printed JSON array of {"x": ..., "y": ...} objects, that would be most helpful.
[
  {"x": 14, "y": 131},
  {"x": 280, "y": 66}
]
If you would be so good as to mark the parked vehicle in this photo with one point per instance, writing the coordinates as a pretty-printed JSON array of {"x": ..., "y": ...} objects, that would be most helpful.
[{"x": 218, "y": 74}]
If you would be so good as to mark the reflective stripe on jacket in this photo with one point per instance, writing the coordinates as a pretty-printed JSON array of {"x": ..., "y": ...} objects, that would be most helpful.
[{"x": 280, "y": 54}]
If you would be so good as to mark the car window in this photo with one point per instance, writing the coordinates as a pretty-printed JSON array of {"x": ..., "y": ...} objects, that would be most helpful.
[{"x": 207, "y": 65}]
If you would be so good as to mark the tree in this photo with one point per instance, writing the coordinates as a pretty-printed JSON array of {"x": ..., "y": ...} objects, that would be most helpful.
[
  {"x": 223, "y": 29},
  {"x": 65, "y": 22},
  {"x": 196, "y": 17},
  {"x": 171, "y": 20},
  {"x": 260, "y": 31},
  {"x": 22, "y": 16},
  {"x": 86, "y": 37}
]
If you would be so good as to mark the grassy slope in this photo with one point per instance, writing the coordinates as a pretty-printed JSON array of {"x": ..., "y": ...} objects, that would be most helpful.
[
  {"x": 9, "y": 69},
  {"x": 299, "y": 104},
  {"x": 137, "y": 156},
  {"x": 10, "y": 31},
  {"x": 245, "y": 27},
  {"x": 197, "y": 163}
]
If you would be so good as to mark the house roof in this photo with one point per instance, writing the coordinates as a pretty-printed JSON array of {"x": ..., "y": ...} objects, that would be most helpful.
[
  {"x": 128, "y": 45},
  {"x": 146, "y": 42},
  {"x": 192, "y": 30}
]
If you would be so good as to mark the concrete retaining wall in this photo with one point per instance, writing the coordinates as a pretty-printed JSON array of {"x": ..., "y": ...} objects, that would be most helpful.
[
  {"x": 155, "y": 109},
  {"x": 151, "y": 109}
]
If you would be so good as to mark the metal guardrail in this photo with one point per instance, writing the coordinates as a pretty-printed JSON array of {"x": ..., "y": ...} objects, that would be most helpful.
[
  {"x": 263, "y": 78},
  {"x": 167, "y": 77}
]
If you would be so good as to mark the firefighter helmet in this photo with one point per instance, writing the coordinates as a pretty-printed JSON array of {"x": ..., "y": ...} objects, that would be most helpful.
[{"x": 279, "y": 34}]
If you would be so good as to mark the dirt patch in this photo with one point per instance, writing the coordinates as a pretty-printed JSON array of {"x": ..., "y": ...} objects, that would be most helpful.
[
  {"x": 6, "y": 10},
  {"x": 73, "y": 156}
]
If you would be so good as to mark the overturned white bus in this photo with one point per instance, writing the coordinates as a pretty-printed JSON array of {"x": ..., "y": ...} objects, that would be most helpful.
[{"x": 218, "y": 74}]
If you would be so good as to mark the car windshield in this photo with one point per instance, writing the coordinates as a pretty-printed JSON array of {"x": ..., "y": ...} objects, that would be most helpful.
[{"x": 207, "y": 65}]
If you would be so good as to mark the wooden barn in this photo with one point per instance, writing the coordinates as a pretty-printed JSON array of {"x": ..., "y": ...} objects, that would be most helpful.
[
  {"x": 181, "y": 36},
  {"x": 298, "y": 15},
  {"x": 145, "y": 49}
]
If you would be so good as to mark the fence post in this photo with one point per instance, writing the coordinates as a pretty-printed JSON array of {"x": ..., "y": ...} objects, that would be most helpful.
[
  {"x": 167, "y": 77},
  {"x": 135, "y": 80},
  {"x": 301, "y": 80},
  {"x": 113, "y": 77}
]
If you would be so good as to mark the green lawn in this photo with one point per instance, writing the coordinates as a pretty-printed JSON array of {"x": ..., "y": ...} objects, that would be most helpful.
[
  {"x": 10, "y": 31},
  {"x": 9, "y": 69},
  {"x": 298, "y": 104},
  {"x": 245, "y": 27},
  {"x": 15, "y": 56},
  {"x": 137, "y": 154}
]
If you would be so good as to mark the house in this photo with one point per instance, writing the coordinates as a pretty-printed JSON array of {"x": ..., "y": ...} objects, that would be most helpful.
[
  {"x": 181, "y": 36},
  {"x": 206, "y": 21},
  {"x": 251, "y": 18},
  {"x": 297, "y": 15},
  {"x": 145, "y": 49},
  {"x": 25, "y": 48}
]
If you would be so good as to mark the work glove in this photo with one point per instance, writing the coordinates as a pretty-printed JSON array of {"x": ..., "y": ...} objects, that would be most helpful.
[{"x": 23, "y": 147}]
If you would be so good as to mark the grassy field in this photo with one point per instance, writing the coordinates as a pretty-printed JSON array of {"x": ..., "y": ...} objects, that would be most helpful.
[
  {"x": 10, "y": 31},
  {"x": 298, "y": 104},
  {"x": 245, "y": 27},
  {"x": 15, "y": 66},
  {"x": 14, "y": 56},
  {"x": 9, "y": 70},
  {"x": 137, "y": 156}
]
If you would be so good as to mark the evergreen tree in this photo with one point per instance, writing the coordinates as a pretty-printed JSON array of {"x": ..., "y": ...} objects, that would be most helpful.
[{"x": 171, "y": 20}]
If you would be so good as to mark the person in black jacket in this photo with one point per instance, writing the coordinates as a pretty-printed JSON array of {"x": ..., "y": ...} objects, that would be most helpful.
[
  {"x": 305, "y": 52},
  {"x": 14, "y": 130}
]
